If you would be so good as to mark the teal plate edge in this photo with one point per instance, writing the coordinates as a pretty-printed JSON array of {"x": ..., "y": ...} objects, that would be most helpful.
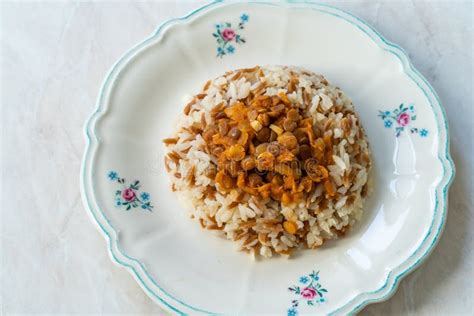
[{"x": 177, "y": 306}]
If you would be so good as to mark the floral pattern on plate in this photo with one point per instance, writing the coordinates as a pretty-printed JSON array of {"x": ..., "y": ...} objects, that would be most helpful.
[
  {"x": 402, "y": 116},
  {"x": 308, "y": 290},
  {"x": 129, "y": 196},
  {"x": 226, "y": 35}
]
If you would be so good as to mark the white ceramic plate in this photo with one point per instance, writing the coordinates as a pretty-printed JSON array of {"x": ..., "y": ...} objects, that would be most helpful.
[{"x": 188, "y": 270}]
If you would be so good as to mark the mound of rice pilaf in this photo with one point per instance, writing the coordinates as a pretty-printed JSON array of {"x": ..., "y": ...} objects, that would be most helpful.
[{"x": 273, "y": 158}]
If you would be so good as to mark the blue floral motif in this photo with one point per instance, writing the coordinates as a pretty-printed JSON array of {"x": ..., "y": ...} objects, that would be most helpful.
[
  {"x": 112, "y": 175},
  {"x": 311, "y": 293},
  {"x": 230, "y": 49},
  {"x": 127, "y": 196},
  {"x": 225, "y": 34},
  {"x": 304, "y": 279},
  {"x": 402, "y": 116},
  {"x": 145, "y": 196},
  {"x": 314, "y": 275}
]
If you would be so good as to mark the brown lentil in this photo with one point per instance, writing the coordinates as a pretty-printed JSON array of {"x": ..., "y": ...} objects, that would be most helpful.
[
  {"x": 234, "y": 133},
  {"x": 263, "y": 135}
]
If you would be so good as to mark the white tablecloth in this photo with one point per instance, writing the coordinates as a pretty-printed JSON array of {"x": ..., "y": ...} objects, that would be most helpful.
[{"x": 54, "y": 57}]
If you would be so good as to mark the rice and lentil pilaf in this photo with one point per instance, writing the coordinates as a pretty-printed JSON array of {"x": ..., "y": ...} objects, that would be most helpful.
[{"x": 271, "y": 157}]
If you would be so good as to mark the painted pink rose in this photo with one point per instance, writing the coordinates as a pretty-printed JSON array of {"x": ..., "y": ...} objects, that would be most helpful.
[
  {"x": 308, "y": 293},
  {"x": 403, "y": 119},
  {"x": 128, "y": 195},
  {"x": 228, "y": 34}
]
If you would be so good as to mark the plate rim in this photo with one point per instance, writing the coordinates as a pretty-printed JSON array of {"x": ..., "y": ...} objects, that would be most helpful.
[{"x": 358, "y": 302}]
